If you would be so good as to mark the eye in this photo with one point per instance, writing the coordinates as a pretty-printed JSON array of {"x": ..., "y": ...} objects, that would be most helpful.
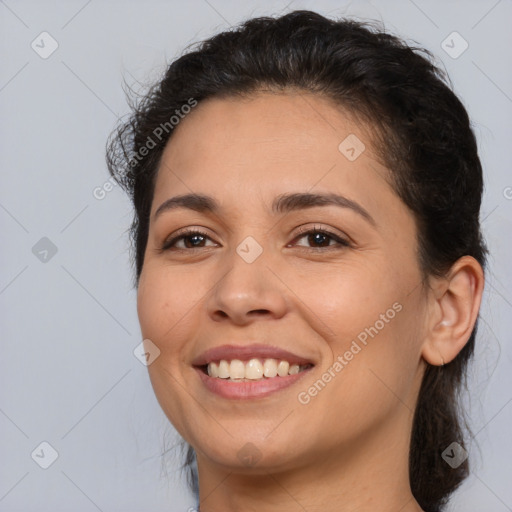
[
  {"x": 188, "y": 239},
  {"x": 197, "y": 239},
  {"x": 321, "y": 238}
]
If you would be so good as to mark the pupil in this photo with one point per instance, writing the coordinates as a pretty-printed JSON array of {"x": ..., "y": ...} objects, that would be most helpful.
[
  {"x": 194, "y": 239},
  {"x": 318, "y": 238}
]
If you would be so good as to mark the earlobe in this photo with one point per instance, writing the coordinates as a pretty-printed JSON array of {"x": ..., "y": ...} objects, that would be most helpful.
[{"x": 457, "y": 299}]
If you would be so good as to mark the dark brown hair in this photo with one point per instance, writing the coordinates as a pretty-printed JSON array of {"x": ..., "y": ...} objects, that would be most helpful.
[{"x": 422, "y": 134}]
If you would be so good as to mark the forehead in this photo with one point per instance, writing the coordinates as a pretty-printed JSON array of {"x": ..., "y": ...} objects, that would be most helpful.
[
  {"x": 272, "y": 124},
  {"x": 240, "y": 149}
]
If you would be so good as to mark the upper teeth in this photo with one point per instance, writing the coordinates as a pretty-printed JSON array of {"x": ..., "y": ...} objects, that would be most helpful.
[{"x": 252, "y": 369}]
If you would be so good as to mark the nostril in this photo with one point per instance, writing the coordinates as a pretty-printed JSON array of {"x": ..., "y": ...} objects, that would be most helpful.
[{"x": 260, "y": 312}]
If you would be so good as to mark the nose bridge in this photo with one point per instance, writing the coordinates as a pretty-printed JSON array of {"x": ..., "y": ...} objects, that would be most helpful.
[{"x": 247, "y": 286}]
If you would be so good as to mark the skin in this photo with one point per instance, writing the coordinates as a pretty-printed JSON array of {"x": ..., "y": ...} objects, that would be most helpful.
[{"x": 347, "y": 449}]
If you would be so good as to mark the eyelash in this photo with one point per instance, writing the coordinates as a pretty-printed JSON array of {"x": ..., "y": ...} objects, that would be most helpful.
[{"x": 342, "y": 243}]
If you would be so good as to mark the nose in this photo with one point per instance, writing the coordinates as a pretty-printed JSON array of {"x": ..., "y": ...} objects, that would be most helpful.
[{"x": 247, "y": 292}]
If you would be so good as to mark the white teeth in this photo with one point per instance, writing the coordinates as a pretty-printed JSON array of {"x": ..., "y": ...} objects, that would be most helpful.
[
  {"x": 252, "y": 370},
  {"x": 282, "y": 368},
  {"x": 237, "y": 369},
  {"x": 213, "y": 370},
  {"x": 223, "y": 369},
  {"x": 270, "y": 368},
  {"x": 294, "y": 368}
]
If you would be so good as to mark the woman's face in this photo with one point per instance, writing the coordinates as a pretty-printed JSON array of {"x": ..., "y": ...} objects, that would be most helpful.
[{"x": 344, "y": 302}]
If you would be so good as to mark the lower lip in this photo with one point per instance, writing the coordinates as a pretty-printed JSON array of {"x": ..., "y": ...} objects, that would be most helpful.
[{"x": 246, "y": 390}]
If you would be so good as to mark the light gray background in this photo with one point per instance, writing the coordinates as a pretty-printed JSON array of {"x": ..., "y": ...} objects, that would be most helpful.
[{"x": 69, "y": 327}]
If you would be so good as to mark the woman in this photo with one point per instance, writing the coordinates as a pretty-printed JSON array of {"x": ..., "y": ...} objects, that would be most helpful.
[{"x": 309, "y": 265}]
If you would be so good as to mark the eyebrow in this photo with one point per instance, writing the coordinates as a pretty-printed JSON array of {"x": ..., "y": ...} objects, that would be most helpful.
[{"x": 282, "y": 204}]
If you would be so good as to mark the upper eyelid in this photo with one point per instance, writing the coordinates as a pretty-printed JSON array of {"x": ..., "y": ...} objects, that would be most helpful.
[
  {"x": 301, "y": 231},
  {"x": 304, "y": 230}
]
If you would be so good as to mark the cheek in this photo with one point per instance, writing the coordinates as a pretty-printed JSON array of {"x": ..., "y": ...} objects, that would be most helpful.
[
  {"x": 369, "y": 318},
  {"x": 371, "y": 373},
  {"x": 150, "y": 298},
  {"x": 350, "y": 299},
  {"x": 164, "y": 311},
  {"x": 381, "y": 355},
  {"x": 162, "y": 305},
  {"x": 169, "y": 302}
]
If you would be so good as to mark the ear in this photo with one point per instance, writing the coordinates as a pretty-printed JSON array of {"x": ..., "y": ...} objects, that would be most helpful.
[{"x": 455, "y": 304}]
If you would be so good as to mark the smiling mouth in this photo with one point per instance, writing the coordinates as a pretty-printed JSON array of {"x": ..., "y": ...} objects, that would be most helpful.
[
  {"x": 249, "y": 371},
  {"x": 252, "y": 370}
]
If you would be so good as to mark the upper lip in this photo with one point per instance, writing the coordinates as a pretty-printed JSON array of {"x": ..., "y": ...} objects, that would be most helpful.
[{"x": 246, "y": 352}]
